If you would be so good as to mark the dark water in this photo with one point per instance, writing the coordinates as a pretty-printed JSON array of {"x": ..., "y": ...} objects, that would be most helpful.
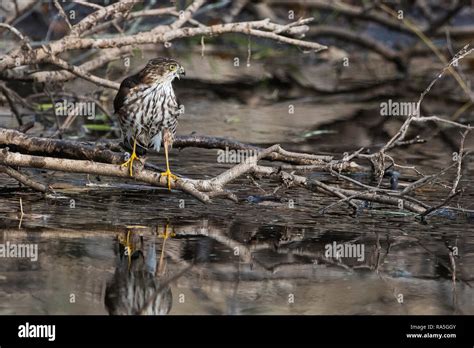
[{"x": 265, "y": 258}]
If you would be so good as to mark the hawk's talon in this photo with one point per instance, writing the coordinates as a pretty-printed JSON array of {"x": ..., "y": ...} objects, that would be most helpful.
[
  {"x": 169, "y": 176},
  {"x": 129, "y": 162},
  {"x": 133, "y": 156}
]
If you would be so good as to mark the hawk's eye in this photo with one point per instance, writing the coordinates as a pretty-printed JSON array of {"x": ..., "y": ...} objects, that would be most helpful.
[{"x": 173, "y": 67}]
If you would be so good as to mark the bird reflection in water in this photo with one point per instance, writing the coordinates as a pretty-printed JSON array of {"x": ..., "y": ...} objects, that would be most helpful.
[{"x": 139, "y": 286}]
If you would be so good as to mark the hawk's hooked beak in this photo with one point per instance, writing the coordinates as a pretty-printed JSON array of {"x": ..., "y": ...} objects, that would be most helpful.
[{"x": 181, "y": 72}]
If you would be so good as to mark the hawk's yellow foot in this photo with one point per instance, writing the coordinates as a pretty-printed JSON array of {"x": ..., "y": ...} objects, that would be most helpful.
[
  {"x": 133, "y": 157},
  {"x": 169, "y": 175}
]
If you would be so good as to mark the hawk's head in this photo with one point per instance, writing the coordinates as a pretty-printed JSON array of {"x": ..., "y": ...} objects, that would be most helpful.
[{"x": 159, "y": 70}]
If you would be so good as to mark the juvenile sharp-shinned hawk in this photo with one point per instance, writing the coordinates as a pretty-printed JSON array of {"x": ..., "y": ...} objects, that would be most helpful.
[{"x": 148, "y": 110}]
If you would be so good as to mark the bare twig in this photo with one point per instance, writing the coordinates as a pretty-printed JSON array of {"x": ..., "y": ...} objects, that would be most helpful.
[
  {"x": 21, "y": 213},
  {"x": 62, "y": 13},
  {"x": 159, "y": 34},
  {"x": 15, "y": 31},
  {"x": 186, "y": 15},
  {"x": 440, "y": 205},
  {"x": 81, "y": 73},
  {"x": 460, "y": 156},
  {"x": 23, "y": 179},
  {"x": 88, "y": 4}
]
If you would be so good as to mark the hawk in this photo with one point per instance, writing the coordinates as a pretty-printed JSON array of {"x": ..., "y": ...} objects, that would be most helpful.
[
  {"x": 137, "y": 286},
  {"x": 148, "y": 110}
]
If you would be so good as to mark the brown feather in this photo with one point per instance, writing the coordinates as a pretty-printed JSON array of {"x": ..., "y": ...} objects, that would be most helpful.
[{"x": 124, "y": 89}]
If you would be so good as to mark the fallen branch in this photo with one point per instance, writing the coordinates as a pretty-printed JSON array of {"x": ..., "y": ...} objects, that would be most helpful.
[
  {"x": 88, "y": 167},
  {"x": 23, "y": 179},
  {"x": 203, "y": 190},
  {"x": 160, "y": 34},
  {"x": 99, "y": 153}
]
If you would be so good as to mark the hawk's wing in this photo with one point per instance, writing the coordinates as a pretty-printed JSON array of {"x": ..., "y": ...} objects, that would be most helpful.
[{"x": 125, "y": 87}]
